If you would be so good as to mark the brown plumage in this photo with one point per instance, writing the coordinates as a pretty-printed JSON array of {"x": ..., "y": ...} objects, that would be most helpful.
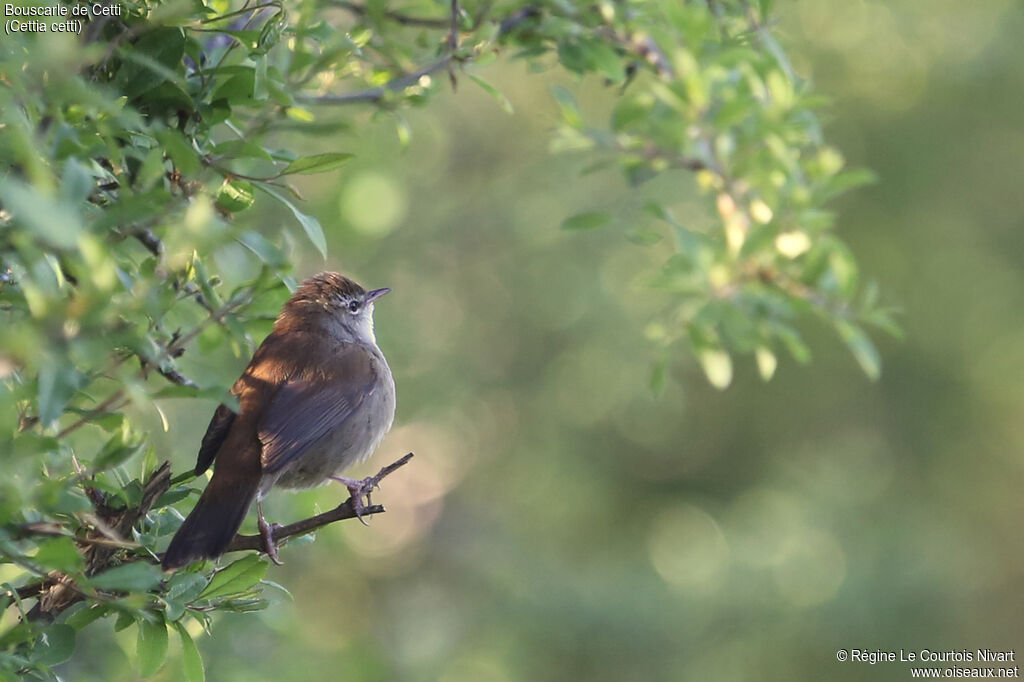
[{"x": 316, "y": 397}]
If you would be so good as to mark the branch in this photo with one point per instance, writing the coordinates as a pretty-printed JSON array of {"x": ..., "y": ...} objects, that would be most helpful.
[
  {"x": 345, "y": 510},
  {"x": 397, "y": 17},
  {"x": 374, "y": 95},
  {"x": 149, "y": 239}
]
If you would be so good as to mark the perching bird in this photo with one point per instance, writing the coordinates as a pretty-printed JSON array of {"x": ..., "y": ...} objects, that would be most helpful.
[{"x": 317, "y": 396}]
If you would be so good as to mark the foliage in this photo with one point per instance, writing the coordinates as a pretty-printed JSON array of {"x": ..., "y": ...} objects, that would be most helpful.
[{"x": 127, "y": 151}]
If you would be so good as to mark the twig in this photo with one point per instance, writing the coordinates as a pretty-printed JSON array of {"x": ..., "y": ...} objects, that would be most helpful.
[
  {"x": 87, "y": 417},
  {"x": 345, "y": 510},
  {"x": 257, "y": 8},
  {"x": 377, "y": 94},
  {"x": 397, "y": 17},
  {"x": 150, "y": 241},
  {"x": 176, "y": 377},
  {"x": 374, "y": 95},
  {"x": 453, "y": 31}
]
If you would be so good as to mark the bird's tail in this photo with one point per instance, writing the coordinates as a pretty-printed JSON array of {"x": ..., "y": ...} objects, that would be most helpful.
[{"x": 217, "y": 516}]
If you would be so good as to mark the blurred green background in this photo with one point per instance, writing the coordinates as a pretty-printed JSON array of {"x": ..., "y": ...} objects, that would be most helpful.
[{"x": 561, "y": 521}]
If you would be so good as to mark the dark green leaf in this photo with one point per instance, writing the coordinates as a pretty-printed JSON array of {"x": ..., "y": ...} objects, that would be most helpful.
[
  {"x": 138, "y": 576},
  {"x": 87, "y": 614},
  {"x": 55, "y": 645}
]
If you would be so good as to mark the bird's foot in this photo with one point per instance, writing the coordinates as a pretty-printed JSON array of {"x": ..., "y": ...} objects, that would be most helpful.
[
  {"x": 358, "y": 490},
  {"x": 267, "y": 533}
]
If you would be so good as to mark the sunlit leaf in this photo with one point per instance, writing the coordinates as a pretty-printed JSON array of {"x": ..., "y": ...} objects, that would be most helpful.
[{"x": 717, "y": 366}]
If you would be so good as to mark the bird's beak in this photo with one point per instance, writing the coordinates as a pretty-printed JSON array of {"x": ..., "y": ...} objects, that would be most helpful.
[{"x": 372, "y": 296}]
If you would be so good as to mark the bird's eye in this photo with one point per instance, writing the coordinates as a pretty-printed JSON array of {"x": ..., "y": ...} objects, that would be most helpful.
[{"x": 353, "y": 307}]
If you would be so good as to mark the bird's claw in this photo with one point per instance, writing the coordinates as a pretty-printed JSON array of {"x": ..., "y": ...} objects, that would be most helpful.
[
  {"x": 358, "y": 490},
  {"x": 269, "y": 546}
]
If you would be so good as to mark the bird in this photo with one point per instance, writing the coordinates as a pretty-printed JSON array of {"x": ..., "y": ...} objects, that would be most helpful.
[{"x": 317, "y": 396}]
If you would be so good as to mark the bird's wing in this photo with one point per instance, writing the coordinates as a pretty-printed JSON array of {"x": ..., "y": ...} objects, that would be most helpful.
[
  {"x": 306, "y": 409},
  {"x": 216, "y": 432}
]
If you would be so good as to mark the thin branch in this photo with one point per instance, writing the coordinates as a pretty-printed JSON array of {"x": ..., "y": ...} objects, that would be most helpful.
[
  {"x": 176, "y": 377},
  {"x": 229, "y": 15},
  {"x": 345, "y": 510},
  {"x": 88, "y": 416},
  {"x": 392, "y": 15},
  {"x": 374, "y": 95},
  {"x": 513, "y": 20},
  {"x": 453, "y": 31},
  {"x": 149, "y": 239}
]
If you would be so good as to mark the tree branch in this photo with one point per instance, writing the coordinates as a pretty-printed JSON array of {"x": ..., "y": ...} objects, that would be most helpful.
[
  {"x": 343, "y": 511},
  {"x": 374, "y": 95},
  {"x": 397, "y": 17}
]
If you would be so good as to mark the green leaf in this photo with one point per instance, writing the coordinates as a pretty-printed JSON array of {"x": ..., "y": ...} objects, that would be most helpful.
[
  {"x": 320, "y": 163},
  {"x": 57, "y": 383},
  {"x": 236, "y": 149},
  {"x": 181, "y": 152},
  {"x": 845, "y": 181},
  {"x": 60, "y": 554},
  {"x": 186, "y": 586},
  {"x": 659, "y": 375},
  {"x": 238, "y": 577},
  {"x": 608, "y": 62},
  {"x": 54, "y": 221},
  {"x": 121, "y": 447},
  {"x": 862, "y": 348},
  {"x": 235, "y": 195},
  {"x": 191, "y": 660},
  {"x": 138, "y": 576},
  {"x": 88, "y": 614},
  {"x": 310, "y": 224},
  {"x": 585, "y": 221},
  {"x": 793, "y": 342},
  {"x": 570, "y": 110},
  {"x": 493, "y": 92},
  {"x": 152, "y": 60},
  {"x": 260, "y": 92},
  {"x": 266, "y": 251},
  {"x": 151, "y": 646},
  {"x": 55, "y": 645}
]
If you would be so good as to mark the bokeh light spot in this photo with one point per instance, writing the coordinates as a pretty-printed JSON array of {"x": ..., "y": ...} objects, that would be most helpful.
[
  {"x": 688, "y": 550},
  {"x": 373, "y": 204}
]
